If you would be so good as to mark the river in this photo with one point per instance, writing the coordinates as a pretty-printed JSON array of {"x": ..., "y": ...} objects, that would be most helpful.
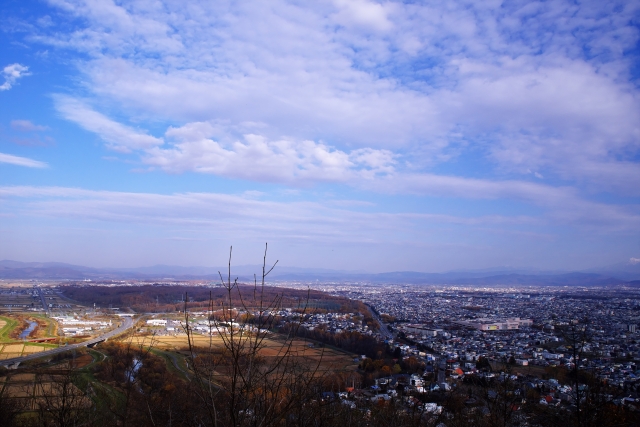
[{"x": 26, "y": 332}]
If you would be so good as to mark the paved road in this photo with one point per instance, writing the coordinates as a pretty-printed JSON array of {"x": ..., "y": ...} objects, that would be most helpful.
[
  {"x": 128, "y": 323},
  {"x": 45, "y": 306},
  {"x": 174, "y": 361},
  {"x": 384, "y": 331}
]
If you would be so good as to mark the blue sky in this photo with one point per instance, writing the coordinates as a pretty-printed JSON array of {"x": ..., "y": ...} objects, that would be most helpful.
[{"x": 356, "y": 135}]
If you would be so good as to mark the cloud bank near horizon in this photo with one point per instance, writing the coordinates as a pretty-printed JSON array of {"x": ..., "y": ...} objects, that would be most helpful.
[{"x": 347, "y": 225}]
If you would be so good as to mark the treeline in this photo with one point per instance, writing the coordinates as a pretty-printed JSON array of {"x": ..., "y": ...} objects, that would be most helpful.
[
  {"x": 349, "y": 341},
  {"x": 134, "y": 388},
  {"x": 138, "y": 388},
  {"x": 167, "y": 298}
]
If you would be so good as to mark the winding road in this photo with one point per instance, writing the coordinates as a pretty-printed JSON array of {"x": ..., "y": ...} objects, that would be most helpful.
[{"x": 127, "y": 324}]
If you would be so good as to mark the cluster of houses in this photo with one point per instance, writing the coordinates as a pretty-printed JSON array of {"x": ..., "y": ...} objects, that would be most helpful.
[
  {"x": 336, "y": 322},
  {"x": 401, "y": 387},
  {"x": 594, "y": 329}
]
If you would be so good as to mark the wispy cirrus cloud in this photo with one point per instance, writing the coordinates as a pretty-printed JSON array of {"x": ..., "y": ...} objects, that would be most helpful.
[
  {"x": 561, "y": 206},
  {"x": 302, "y": 229},
  {"x": 21, "y": 161},
  {"x": 30, "y": 134},
  {"x": 118, "y": 137},
  {"x": 27, "y": 126},
  {"x": 234, "y": 214}
]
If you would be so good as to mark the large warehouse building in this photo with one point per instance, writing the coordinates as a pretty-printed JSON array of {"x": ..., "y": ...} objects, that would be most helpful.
[{"x": 496, "y": 324}]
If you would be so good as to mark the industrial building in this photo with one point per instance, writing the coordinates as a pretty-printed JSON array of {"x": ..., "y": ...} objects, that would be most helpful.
[{"x": 496, "y": 324}]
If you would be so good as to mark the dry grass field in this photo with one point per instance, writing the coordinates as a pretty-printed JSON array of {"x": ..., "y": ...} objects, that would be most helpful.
[
  {"x": 38, "y": 388},
  {"x": 11, "y": 284},
  {"x": 28, "y": 349},
  {"x": 329, "y": 359},
  {"x": 9, "y": 351},
  {"x": 4, "y": 356},
  {"x": 13, "y": 348}
]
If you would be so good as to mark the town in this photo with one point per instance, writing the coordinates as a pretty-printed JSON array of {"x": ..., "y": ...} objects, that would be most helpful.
[{"x": 411, "y": 347}]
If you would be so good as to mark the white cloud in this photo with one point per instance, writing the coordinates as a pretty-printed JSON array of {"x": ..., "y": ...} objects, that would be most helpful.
[
  {"x": 12, "y": 73},
  {"x": 257, "y": 158},
  {"x": 21, "y": 161},
  {"x": 243, "y": 217},
  {"x": 527, "y": 84},
  {"x": 362, "y": 13},
  {"x": 238, "y": 216},
  {"x": 190, "y": 148},
  {"x": 27, "y": 126},
  {"x": 118, "y": 137},
  {"x": 307, "y": 230},
  {"x": 536, "y": 117},
  {"x": 561, "y": 206},
  {"x": 254, "y": 158}
]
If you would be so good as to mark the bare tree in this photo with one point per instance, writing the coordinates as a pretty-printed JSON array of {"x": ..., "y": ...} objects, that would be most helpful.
[
  {"x": 249, "y": 376},
  {"x": 59, "y": 401},
  {"x": 10, "y": 407},
  {"x": 590, "y": 399}
]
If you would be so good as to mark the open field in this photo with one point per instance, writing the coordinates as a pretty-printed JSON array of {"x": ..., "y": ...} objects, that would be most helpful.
[
  {"x": 4, "y": 356},
  {"x": 28, "y": 349},
  {"x": 328, "y": 358},
  {"x": 8, "y": 326},
  {"x": 9, "y": 351},
  {"x": 13, "y": 348},
  {"x": 36, "y": 388},
  {"x": 15, "y": 284}
]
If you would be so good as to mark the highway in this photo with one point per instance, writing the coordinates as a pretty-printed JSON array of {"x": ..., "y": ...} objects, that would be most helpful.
[
  {"x": 45, "y": 306},
  {"x": 383, "y": 326},
  {"x": 127, "y": 324}
]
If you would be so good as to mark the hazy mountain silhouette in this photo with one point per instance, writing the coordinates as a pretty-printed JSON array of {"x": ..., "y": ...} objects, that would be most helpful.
[{"x": 618, "y": 274}]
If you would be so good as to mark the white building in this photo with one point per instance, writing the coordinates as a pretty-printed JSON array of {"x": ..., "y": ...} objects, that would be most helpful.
[{"x": 496, "y": 324}]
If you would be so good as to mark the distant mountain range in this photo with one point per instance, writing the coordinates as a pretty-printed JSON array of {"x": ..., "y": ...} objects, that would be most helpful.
[{"x": 619, "y": 274}]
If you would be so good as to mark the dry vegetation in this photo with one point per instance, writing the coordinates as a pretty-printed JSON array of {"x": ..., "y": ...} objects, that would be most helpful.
[
  {"x": 44, "y": 327},
  {"x": 329, "y": 359},
  {"x": 9, "y": 351},
  {"x": 170, "y": 298}
]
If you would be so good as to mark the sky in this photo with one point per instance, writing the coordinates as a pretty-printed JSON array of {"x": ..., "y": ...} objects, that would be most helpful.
[{"x": 348, "y": 134}]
